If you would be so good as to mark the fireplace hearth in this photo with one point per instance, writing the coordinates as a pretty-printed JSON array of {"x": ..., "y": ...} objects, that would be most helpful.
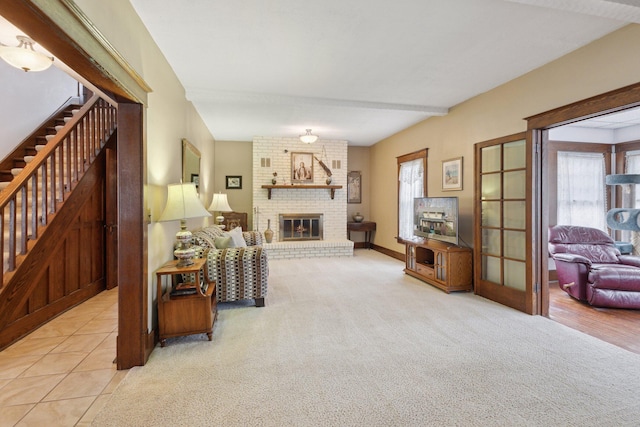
[{"x": 300, "y": 226}]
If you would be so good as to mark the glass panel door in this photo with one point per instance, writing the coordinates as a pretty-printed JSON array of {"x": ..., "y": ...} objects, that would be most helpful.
[{"x": 503, "y": 201}]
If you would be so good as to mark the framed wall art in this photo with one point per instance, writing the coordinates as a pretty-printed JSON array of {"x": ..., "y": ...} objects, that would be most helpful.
[
  {"x": 452, "y": 174},
  {"x": 302, "y": 167},
  {"x": 233, "y": 183},
  {"x": 354, "y": 187},
  {"x": 195, "y": 178}
]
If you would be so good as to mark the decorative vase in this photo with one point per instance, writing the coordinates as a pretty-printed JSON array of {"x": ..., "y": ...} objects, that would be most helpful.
[
  {"x": 274, "y": 181},
  {"x": 268, "y": 233},
  {"x": 357, "y": 217},
  {"x": 328, "y": 180}
]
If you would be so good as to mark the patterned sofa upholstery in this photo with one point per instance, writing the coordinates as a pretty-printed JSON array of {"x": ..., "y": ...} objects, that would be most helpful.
[{"x": 239, "y": 273}]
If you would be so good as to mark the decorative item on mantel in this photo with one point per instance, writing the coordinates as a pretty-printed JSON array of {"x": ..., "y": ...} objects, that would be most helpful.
[
  {"x": 268, "y": 233},
  {"x": 357, "y": 217},
  {"x": 274, "y": 181},
  {"x": 325, "y": 167}
]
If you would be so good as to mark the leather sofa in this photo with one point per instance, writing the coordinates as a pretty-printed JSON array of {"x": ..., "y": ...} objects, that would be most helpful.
[
  {"x": 238, "y": 272},
  {"x": 590, "y": 268}
]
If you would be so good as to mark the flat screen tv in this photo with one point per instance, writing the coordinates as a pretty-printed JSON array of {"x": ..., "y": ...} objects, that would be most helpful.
[{"x": 436, "y": 218}]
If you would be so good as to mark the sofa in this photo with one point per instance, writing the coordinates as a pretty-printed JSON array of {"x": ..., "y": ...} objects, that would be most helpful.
[
  {"x": 240, "y": 272},
  {"x": 590, "y": 267}
]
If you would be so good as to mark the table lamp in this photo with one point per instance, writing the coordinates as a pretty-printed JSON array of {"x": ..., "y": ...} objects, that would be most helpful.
[
  {"x": 220, "y": 204},
  {"x": 182, "y": 203}
]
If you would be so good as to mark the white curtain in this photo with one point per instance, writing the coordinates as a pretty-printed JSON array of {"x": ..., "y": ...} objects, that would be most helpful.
[
  {"x": 581, "y": 189},
  {"x": 411, "y": 186}
]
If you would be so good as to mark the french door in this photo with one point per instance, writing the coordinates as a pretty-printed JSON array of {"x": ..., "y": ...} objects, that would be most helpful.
[{"x": 503, "y": 235}]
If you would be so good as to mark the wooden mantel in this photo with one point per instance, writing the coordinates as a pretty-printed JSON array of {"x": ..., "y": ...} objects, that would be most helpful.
[{"x": 332, "y": 188}]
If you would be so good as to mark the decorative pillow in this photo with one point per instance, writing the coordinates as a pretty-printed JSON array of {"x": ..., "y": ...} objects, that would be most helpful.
[
  {"x": 224, "y": 242},
  {"x": 236, "y": 235}
]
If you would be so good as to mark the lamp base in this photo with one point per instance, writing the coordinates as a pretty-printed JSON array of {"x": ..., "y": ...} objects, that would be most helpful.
[
  {"x": 184, "y": 256},
  {"x": 184, "y": 252}
]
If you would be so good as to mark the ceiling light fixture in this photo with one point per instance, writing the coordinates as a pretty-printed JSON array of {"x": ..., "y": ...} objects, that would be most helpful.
[
  {"x": 24, "y": 56},
  {"x": 308, "y": 138}
]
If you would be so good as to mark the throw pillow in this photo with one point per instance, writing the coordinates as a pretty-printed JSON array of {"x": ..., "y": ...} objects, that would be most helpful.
[
  {"x": 224, "y": 242},
  {"x": 236, "y": 235}
]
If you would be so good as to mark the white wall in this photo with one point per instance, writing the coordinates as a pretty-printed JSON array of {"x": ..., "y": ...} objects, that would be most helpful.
[{"x": 28, "y": 99}]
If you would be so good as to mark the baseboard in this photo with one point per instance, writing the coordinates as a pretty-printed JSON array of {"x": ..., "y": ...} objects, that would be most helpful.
[
  {"x": 151, "y": 341},
  {"x": 393, "y": 254}
]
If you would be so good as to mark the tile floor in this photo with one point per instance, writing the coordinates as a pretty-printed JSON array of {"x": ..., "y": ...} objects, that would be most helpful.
[{"x": 63, "y": 373}]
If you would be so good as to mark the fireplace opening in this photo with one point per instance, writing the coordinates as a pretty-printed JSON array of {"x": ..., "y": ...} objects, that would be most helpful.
[{"x": 300, "y": 227}]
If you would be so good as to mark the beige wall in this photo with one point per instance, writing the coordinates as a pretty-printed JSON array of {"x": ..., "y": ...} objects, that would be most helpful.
[
  {"x": 602, "y": 66},
  {"x": 235, "y": 158},
  {"x": 359, "y": 161},
  {"x": 169, "y": 118}
]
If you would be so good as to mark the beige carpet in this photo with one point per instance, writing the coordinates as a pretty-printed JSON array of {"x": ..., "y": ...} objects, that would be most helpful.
[{"x": 355, "y": 342}]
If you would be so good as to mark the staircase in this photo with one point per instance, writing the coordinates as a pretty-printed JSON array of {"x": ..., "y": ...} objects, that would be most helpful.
[{"x": 38, "y": 178}]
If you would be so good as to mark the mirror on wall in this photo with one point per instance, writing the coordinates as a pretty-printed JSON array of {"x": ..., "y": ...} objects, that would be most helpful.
[{"x": 190, "y": 163}]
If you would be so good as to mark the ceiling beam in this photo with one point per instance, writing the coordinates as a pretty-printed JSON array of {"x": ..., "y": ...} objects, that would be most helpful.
[
  {"x": 230, "y": 97},
  {"x": 619, "y": 10}
]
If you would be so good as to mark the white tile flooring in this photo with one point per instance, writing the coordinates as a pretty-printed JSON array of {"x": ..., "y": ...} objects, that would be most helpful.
[{"x": 63, "y": 373}]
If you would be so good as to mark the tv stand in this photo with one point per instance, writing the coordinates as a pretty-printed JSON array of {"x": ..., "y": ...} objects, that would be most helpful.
[{"x": 443, "y": 265}]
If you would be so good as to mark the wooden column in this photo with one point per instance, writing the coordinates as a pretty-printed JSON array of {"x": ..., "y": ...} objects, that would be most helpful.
[{"x": 132, "y": 247}]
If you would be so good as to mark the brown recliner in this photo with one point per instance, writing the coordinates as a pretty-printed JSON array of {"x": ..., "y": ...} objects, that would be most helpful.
[{"x": 590, "y": 267}]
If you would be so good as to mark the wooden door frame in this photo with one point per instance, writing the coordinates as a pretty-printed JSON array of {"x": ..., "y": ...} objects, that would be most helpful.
[
  {"x": 63, "y": 29},
  {"x": 599, "y": 105}
]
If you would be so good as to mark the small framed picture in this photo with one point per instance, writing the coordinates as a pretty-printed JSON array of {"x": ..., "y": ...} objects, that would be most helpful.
[
  {"x": 195, "y": 178},
  {"x": 452, "y": 174},
  {"x": 233, "y": 183},
  {"x": 354, "y": 187}
]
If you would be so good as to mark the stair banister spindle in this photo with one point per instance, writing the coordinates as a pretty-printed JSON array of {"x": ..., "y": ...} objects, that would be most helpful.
[
  {"x": 34, "y": 203},
  {"x": 67, "y": 162},
  {"x": 74, "y": 154},
  {"x": 11, "y": 263},
  {"x": 23, "y": 220}
]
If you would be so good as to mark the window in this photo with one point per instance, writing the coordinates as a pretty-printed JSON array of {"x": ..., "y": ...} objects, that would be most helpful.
[
  {"x": 412, "y": 183},
  {"x": 581, "y": 189}
]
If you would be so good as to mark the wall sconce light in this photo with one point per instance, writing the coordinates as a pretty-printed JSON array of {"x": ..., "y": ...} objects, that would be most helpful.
[
  {"x": 24, "y": 56},
  {"x": 308, "y": 138}
]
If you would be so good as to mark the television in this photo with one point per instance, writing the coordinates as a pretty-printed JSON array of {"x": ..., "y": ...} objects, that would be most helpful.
[{"x": 436, "y": 218}]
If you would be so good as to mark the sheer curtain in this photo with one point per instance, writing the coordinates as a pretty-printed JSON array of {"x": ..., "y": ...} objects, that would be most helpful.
[
  {"x": 411, "y": 186},
  {"x": 581, "y": 189}
]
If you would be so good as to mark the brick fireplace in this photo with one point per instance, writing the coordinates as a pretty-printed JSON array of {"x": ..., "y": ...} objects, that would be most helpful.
[{"x": 276, "y": 155}]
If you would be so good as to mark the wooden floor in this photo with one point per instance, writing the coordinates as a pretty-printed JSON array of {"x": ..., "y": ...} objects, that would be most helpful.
[{"x": 616, "y": 326}]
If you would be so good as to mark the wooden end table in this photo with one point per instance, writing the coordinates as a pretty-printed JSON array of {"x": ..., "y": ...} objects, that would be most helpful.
[
  {"x": 366, "y": 226},
  {"x": 185, "y": 308}
]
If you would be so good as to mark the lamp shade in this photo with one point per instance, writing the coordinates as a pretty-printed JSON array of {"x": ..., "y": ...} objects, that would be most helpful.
[
  {"x": 24, "y": 56},
  {"x": 308, "y": 138},
  {"x": 220, "y": 203},
  {"x": 182, "y": 203}
]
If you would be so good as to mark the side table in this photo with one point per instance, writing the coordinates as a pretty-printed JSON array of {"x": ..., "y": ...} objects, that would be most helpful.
[
  {"x": 366, "y": 226},
  {"x": 185, "y": 308}
]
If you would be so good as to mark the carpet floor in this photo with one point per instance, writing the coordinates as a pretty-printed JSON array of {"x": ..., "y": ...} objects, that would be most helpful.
[{"x": 356, "y": 342}]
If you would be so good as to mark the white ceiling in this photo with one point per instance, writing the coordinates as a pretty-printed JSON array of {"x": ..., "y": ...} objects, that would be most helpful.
[{"x": 359, "y": 70}]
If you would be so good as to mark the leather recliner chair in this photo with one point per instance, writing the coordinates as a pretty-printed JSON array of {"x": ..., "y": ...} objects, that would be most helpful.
[{"x": 590, "y": 267}]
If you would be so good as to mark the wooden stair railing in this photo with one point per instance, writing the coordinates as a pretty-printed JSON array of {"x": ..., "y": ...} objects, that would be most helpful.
[{"x": 41, "y": 188}]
